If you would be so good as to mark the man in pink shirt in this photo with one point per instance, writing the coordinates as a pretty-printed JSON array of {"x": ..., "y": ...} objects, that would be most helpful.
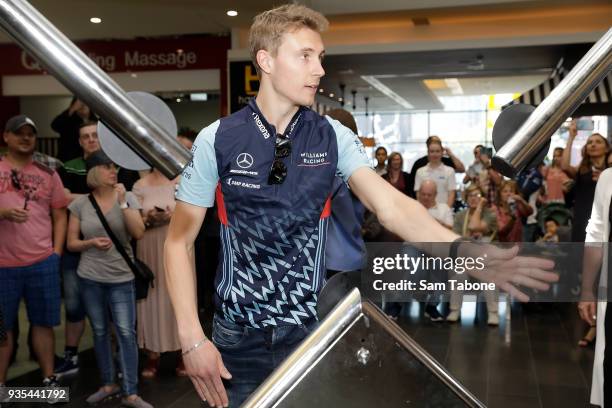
[{"x": 33, "y": 225}]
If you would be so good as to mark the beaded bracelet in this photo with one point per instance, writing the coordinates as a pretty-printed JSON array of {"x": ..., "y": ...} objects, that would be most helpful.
[{"x": 195, "y": 346}]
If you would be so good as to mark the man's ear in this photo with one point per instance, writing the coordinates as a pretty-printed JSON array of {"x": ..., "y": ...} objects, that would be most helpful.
[{"x": 265, "y": 61}]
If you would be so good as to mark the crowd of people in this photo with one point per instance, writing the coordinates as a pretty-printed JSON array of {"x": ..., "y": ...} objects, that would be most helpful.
[
  {"x": 71, "y": 224},
  {"x": 550, "y": 203},
  {"x": 58, "y": 213}
]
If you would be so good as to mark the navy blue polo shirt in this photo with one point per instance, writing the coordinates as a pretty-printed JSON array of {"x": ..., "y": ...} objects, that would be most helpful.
[{"x": 273, "y": 236}]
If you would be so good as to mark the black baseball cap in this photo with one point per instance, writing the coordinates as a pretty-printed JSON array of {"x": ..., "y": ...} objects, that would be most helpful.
[
  {"x": 17, "y": 122},
  {"x": 97, "y": 158}
]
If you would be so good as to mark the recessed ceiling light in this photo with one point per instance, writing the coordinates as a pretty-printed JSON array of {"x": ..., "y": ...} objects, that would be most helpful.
[
  {"x": 232, "y": 13},
  {"x": 95, "y": 20},
  {"x": 179, "y": 51},
  {"x": 331, "y": 95},
  {"x": 178, "y": 100},
  {"x": 321, "y": 90}
]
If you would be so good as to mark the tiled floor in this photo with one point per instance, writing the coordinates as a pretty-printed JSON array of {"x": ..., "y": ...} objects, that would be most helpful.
[{"x": 535, "y": 363}]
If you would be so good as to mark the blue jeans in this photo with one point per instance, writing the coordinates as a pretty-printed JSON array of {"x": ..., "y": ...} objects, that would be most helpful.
[
  {"x": 75, "y": 311},
  {"x": 120, "y": 299},
  {"x": 251, "y": 355}
]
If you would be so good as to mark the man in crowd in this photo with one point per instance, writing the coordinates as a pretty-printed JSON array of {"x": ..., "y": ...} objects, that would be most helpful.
[
  {"x": 473, "y": 172},
  {"x": 442, "y": 213},
  {"x": 33, "y": 224},
  {"x": 271, "y": 167},
  {"x": 67, "y": 125}
]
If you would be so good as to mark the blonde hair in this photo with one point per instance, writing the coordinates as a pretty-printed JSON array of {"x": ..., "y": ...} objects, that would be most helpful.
[
  {"x": 268, "y": 27},
  {"x": 93, "y": 178},
  {"x": 471, "y": 188}
]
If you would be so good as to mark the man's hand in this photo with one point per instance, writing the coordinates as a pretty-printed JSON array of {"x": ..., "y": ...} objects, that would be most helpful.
[
  {"x": 75, "y": 106},
  {"x": 18, "y": 215},
  {"x": 588, "y": 311},
  {"x": 102, "y": 243},
  {"x": 205, "y": 369},
  {"x": 509, "y": 271}
]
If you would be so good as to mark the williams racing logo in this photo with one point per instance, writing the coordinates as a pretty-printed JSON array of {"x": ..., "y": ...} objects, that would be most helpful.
[{"x": 308, "y": 159}]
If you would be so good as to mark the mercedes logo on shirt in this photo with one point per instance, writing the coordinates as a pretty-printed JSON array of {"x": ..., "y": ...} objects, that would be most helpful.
[{"x": 244, "y": 160}]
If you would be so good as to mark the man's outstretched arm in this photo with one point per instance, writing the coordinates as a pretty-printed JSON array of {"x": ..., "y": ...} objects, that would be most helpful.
[
  {"x": 409, "y": 220},
  {"x": 397, "y": 212}
]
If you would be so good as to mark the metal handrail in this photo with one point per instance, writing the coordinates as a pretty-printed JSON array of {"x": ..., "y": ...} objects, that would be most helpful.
[
  {"x": 552, "y": 112},
  {"x": 340, "y": 320}
]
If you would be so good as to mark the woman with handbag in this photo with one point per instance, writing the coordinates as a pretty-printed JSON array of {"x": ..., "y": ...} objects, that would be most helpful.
[{"x": 106, "y": 276}]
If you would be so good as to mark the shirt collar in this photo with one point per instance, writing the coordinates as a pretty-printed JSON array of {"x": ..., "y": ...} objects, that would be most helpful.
[{"x": 266, "y": 128}]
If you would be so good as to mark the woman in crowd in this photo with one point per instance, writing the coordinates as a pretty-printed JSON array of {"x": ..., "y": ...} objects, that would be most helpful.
[
  {"x": 395, "y": 174},
  {"x": 156, "y": 324},
  {"x": 596, "y": 263},
  {"x": 381, "y": 159},
  {"x": 105, "y": 278},
  {"x": 510, "y": 209},
  {"x": 441, "y": 174},
  {"x": 479, "y": 223},
  {"x": 594, "y": 154},
  {"x": 557, "y": 182},
  {"x": 398, "y": 179}
]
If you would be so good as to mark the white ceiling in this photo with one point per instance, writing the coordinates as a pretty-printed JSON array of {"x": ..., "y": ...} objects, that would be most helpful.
[
  {"x": 150, "y": 18},
  {"x": 501, "y": 70}
]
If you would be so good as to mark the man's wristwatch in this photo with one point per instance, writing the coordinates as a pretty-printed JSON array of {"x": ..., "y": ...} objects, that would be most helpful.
[
  {"x": 124, "y": 205},
  {"x": 454, "y": 246}
]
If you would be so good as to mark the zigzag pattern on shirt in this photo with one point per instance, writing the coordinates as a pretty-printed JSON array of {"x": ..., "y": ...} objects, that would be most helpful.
[{"x": 268, "y": 285}]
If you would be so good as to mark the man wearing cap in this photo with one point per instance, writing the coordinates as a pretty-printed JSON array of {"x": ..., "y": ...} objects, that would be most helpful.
[{"x": 29, "y": 260}]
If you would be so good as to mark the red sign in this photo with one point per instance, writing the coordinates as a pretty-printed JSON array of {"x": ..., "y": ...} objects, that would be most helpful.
[{"x": 154, "y": 54}]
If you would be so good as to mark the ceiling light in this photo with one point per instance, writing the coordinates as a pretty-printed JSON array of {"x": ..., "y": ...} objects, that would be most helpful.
[
  {"x": 178, "y": 100},
  {"x": 340, "y": 99},
  {"x": 232, "y": 13},
  {"x": 95, "y": 20},
  {"x": 331, "y": 95},
  {"x": 321, "y": 90},
  {"x": 454, "y": 86},
  {"x": 385, "y": 90},
  {"x": 134, "y": 75},
  {"x": 179, "y": 51},
  {"x": 198, "y": 97}
]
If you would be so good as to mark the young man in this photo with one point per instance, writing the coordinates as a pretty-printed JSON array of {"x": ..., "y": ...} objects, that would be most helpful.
[
  {"x": 33, "y": 225},
  {"x": 271, "y": 166}
]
